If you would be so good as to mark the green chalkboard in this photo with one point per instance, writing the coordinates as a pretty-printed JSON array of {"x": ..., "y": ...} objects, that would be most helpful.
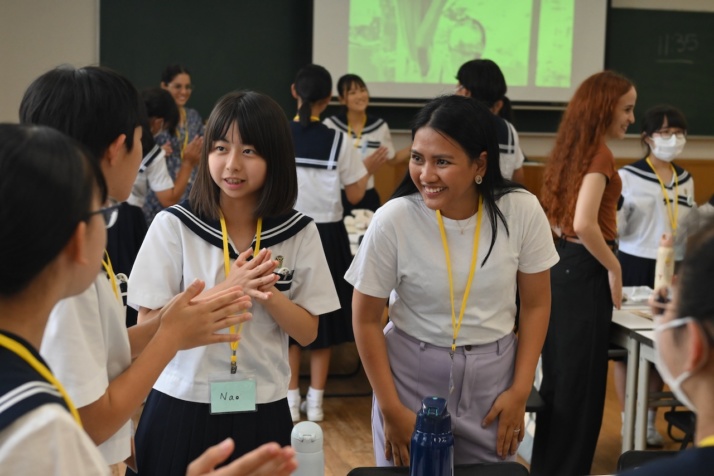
[
  {"x": 227, "y": 45},
  {"x": 260, "y": 45},
  {"x": 670, "y": 57}
]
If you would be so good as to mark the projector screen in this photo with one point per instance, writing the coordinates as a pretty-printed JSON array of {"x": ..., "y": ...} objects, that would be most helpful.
[{"x": 412, "y": 49}]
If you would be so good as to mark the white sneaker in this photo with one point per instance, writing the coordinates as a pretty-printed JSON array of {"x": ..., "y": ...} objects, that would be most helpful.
[
  {"x": 654, "y": 438},
  {"x": 313, "y": 410},
  {"x": 295, "y": 410}
]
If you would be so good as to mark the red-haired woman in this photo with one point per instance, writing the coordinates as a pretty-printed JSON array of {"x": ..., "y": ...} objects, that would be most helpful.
[{"x": 580, "y": 196}]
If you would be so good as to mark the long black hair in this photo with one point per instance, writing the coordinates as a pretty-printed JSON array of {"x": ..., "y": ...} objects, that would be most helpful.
[{"x": 468, "y": 123}]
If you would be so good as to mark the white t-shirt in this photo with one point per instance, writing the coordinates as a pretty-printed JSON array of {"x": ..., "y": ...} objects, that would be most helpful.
[
  {"x": 375, "y": 134},
  {"x": 47, "y": 441},
  {"x": 325, "y": 164},
  {"x": 87, "y": 346},
  {"x": 173, "y": 255},
  {"x": 153, "y": 174},
  {"x": 643, "y": 218},
  {"x": 402, "y": 251}
]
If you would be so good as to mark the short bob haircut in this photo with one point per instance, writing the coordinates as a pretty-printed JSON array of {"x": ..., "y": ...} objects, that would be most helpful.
[
  {"x": 484, "y": 80},
  {"x": 346, "y": 82},
  {"x": 93, "y": 105},
  {"x": 468, "y": 123},
  {"x": 653, "y": 120},
  {"x": 47, "y": 183},
  {"x": 262, "y": 124}
]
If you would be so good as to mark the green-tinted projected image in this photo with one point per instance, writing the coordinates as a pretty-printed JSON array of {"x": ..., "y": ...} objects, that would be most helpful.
[
  {"x": 425, "y": 41},
  {"x": 555, "y": 43}
]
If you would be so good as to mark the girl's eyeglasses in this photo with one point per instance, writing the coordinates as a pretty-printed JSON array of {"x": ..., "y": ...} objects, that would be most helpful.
[{"x": 110, "y": 214}]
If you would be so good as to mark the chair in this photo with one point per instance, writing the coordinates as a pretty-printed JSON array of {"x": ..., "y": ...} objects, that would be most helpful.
[
  {"x": 683, "y": 420},
  {"x": 506, "y": 468},
  {"x": 636, "y": 458}
]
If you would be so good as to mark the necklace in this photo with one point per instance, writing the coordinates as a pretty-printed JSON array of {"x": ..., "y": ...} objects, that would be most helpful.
[{"x": 462, "y": 229}]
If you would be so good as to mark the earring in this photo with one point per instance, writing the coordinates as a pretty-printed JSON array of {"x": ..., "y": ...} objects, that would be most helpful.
[{"x": 478, "y": 180}]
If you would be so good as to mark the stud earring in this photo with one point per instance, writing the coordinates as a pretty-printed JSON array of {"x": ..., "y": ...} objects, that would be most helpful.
[{"x": 478, "y": 180}]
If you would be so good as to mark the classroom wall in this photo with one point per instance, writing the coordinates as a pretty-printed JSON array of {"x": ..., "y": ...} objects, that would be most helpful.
[{"x": 37, "y": 35}]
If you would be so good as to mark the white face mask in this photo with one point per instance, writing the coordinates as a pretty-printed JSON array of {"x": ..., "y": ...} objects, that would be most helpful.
[
  {"x": 675, "y": 384},
  {"x": 668, "y": 149}
]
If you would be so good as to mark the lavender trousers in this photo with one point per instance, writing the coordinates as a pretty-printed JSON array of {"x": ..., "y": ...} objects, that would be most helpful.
[{"x": 480, "y": 374}]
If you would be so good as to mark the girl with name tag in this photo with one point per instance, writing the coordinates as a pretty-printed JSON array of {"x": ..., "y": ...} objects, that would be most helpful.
[
  {"x": 657, "y": 199},
  {"x": 450, "y": 248},
  {"x": 368, "y": 134},
  {"x": 580, "y": 195},
  {"x": 237, "y": 228}
]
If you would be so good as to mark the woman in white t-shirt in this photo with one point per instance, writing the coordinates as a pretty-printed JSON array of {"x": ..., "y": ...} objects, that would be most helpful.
[{"x": 450, "y": 247}]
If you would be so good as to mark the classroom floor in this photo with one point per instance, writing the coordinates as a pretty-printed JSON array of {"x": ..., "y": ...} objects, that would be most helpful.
[{"x": 348, "y": 434}]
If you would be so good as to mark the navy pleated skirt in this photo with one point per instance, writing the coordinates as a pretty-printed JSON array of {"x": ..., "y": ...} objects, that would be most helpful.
[
  {"x": 335, "y": 327},
  {"x": 174, "y": 432}
]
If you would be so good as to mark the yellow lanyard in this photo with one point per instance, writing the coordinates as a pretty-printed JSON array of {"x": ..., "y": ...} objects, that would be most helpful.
[
  {"x": 227, "y": 268},
  {"x": 708, "y": 441},
  {"x": 357, "y": 136},
  {"x": 19, "y": 349},
  {"x": 456, "y": 326},
  {"x": 672, "y": 208},
  {"x": 183, "y": 119},
  {"x": 107, "y": 264}
]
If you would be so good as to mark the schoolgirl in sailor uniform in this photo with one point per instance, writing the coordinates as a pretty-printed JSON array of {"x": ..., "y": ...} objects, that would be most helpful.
[
  {"x": 657, "y": 199},
  {"x": 242, "y": 200},
  {"x": 40, "y": 428},
  {"x": 367, "y": 133},
  {"x": 326, "y": 163}
]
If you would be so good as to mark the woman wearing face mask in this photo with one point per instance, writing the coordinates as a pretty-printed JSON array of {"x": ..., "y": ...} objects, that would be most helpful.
[
  {"x": 683, "y": 342},
  {"x": 657, "y": 199}
]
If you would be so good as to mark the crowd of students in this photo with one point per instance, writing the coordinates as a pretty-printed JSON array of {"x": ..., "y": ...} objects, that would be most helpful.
[{"x": 237, "y": 259}]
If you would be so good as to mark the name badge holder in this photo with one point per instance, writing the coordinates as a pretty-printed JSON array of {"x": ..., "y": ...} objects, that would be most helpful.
[{"x": 234, "y": 393}]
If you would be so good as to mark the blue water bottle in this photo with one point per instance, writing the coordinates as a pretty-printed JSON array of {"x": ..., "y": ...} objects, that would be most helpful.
[{"x": 432, "y": 447}]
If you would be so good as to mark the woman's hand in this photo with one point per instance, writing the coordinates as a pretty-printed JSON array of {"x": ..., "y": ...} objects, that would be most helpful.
[
  {"x": 615, "y": 280},
  {"x": 398, "y": 429},
  {"x": 267, "y": 460},
  {"x": 510, "y": 409},
  {"x": 192, "y": 152},
  {"x": 256, "y": 276}
]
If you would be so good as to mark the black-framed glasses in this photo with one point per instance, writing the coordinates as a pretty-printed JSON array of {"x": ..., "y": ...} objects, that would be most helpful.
[{"x": 109, "y": 213}]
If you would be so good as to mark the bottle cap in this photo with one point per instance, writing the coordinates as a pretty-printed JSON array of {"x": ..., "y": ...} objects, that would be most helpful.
[
  {"x": 433, "y": 416},
  {"x": 306, "y": 437}
]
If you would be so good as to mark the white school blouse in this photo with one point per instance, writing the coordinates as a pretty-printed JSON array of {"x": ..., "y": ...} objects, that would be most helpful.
[
  {"x": 153, "y": 175},
  {"x": 180, "y": 247},
  {"x": 87, "y": 346}
]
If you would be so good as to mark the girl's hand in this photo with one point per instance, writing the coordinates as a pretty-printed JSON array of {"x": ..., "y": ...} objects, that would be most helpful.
[
  {"x": 398, "y": 429},
  {"x": 192, "y": 152},
  {"x": 193, "y": 322},
  {"x": 256, "y": 276},
  {"x": 510, "y": 409},
  {"x": 267, "y": 460},
  {"x": 168, "y": 150},
  {"x": 615, "y": 279},
  {"x": 375, "y": 160}
]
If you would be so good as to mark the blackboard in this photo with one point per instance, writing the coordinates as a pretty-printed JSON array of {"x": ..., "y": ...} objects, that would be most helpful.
[
  {"x": 226, "y": 45},
  {"x": 670, "y": 57},
  {"x": 260, "y": 45}
]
